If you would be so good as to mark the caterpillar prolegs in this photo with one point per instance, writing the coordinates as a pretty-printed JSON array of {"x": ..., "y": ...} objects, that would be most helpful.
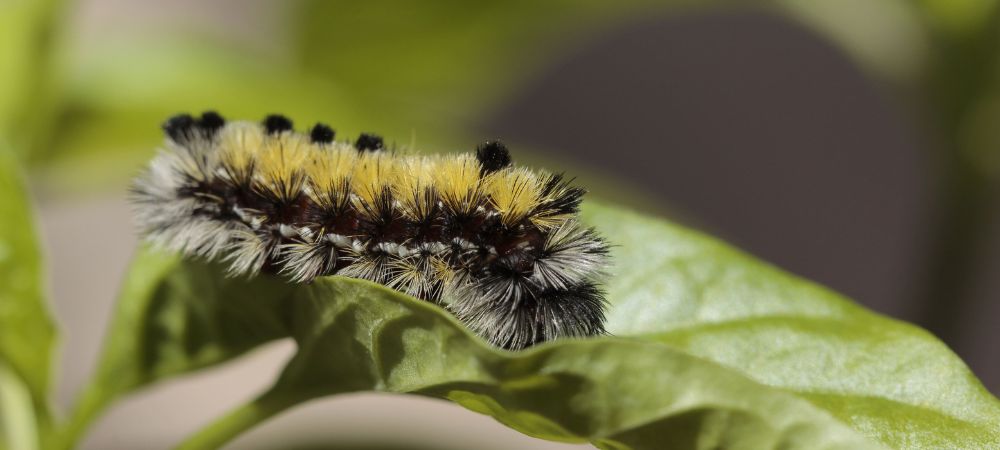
[{"x": 499, "y": 246}]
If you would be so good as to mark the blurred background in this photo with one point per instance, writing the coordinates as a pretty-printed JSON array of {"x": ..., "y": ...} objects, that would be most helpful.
[{"x": 854, "y": 143}]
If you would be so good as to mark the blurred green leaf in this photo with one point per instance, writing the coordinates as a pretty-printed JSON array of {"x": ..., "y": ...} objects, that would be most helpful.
[
  {"x": 958, "y": 17},
  {"x": 887, "y": 38},
  {"x": 711, "y": 348},
  {"x": 426, "y": 72},
  {"x": 17, "y": 50},
  {"x": 961, "y": 88},
  {"x": 18, "y": 422},
  {"x": 400, "y": 67},
  {"x": 27, "y": 334},
  {"x": 28, "y": 75},
  {"x": 403, "y": 69},
  {"x": 120, "y": 93}
]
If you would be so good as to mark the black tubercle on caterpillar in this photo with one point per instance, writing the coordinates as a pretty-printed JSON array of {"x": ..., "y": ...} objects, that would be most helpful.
[
  {"x": 179, "y": 127},
  {"x": 211, "y": 122},
  {"x": 184, "y": 128},
  {"x": 497, "y": 245},
  {"x": 369, "y": 141},
  {"x": 276, "y": 123},
  {"x": 493, "y": 156},
  {"x": 322, "y": 134}
]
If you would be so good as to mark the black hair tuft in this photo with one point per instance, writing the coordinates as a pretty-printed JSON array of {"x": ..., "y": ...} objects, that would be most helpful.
[
  {"x": 178, "y": 127},
  {"x": 492, "y": 156},
  {"x": 211, "y": 122},
  {"x": 276, "y": 123},
  {"x": 370, "y": 142},
  {"x": 322, "y": 134},
  {"x": 564, "y": 198}
]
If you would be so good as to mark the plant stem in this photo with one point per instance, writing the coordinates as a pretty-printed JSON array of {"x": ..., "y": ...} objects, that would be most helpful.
[
  {"x": 241, "y": 419},
  {"x": 86, "y": 410},
  {"x": 18, "y": 428}
]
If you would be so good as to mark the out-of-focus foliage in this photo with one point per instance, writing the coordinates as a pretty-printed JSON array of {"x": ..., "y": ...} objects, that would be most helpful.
[
  {"x": 29, "y": 87},
  {"x": 19, "y": 40},
  {"x": 116, "y": 112},
  {"x": 709, "y": 346},
  {"x": 26, "y": 331},
  {"x": 409, "y": 71},
  {"x": 428, "y": 71},
  {"x": 887, "y": 38}
]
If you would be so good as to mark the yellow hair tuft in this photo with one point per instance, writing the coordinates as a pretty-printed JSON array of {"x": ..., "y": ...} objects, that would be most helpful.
[
  {"x": 514, "y": 193},
  {"x": 414, "y": 187},
  {"x": 329, "y": 170},
  {"x": 281, "y": 161},
  {"x": 457, "y": 181},
  {"x": 372, "y": 176},
  {"x": 239, "y": 143}
]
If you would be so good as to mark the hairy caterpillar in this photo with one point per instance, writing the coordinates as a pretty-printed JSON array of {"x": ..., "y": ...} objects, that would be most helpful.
[{"x": 499, "y": 246}]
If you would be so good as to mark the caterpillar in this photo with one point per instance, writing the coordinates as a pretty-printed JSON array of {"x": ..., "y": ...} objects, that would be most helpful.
[{"x": 499, "y": 246}]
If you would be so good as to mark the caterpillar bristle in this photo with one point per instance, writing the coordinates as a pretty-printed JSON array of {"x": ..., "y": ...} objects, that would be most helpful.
[{"x": 499, "y": 246}]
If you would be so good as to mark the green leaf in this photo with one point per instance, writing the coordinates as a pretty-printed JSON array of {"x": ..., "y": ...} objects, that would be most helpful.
[
  {"x": 710, "y": 349},
  {"x": 18, "y": 22},
  {"x": 171, "y": 318},
  {"x": 614, "y": 392},
  {"x": 888, "y": 39},
  {"x": 118, "y": 94},
  {"x": 893, "y": 381},
  {"x": 27, "y": 334},
  {"x": 29, "y": 83},
  {"x": 18, "y": 422}
]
